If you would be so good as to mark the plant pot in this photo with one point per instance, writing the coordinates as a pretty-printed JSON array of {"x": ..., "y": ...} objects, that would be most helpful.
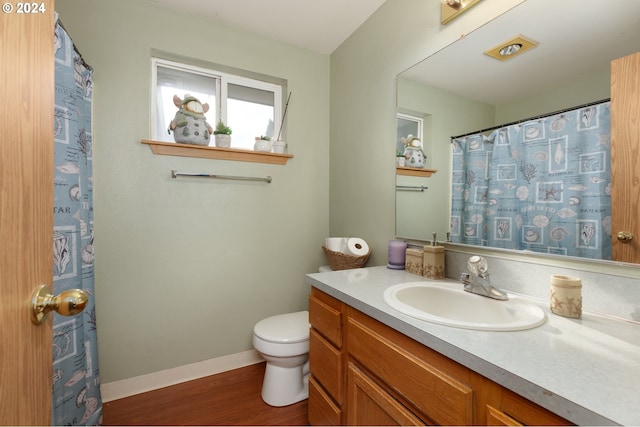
[
  {"x": 223, "y": 140},
  {"x": 262, "y": 145},
  {"x": 279, "y": 146}
]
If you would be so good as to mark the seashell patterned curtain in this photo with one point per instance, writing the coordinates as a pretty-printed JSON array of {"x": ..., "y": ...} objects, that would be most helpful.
[
  {"x": 76, "y": 385},
  {"x": 541, "y": 185}
]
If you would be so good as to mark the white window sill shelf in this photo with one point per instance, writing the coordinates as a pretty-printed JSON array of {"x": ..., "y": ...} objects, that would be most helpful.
[{"x": 402, "y": 170}]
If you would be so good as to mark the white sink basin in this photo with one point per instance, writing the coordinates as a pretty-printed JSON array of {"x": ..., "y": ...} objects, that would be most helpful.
[{"x": 446, "y": 305}]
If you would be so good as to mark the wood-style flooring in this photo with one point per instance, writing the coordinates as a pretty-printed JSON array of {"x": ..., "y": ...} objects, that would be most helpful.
[{"x": 229, "y": 398}]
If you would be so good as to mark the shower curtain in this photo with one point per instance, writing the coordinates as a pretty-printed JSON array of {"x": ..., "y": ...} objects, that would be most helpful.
[
  {"x": 76, "y": 385},
  {"x": 541, "y": 185}
]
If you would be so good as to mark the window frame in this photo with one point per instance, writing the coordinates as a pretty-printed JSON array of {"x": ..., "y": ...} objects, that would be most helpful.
[
  {"x": 222, "y": 79},
  {"x": 412, "y": 118}
]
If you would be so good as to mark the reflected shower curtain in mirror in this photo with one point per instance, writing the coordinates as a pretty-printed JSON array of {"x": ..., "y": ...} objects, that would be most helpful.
[
  {"x": 76, "y": 386},
  {"x": 541, "y": 185}
]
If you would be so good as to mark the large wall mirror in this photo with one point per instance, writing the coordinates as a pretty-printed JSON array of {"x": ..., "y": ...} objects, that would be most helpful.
[{"x": 460, "y": 90}]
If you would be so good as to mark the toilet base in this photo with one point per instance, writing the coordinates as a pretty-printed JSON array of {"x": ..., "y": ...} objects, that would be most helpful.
[{"x": 285, "y": 386}]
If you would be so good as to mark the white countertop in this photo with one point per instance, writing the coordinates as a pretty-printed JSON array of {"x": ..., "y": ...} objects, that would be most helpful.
[{"x": 585, "y": 370}]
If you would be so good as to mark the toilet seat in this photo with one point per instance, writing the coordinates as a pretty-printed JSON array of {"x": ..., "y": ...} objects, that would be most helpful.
[{"x": 284, "y": 328}]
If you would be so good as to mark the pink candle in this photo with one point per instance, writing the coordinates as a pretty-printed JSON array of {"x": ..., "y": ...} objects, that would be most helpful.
[{"x": 397, "y": 253}]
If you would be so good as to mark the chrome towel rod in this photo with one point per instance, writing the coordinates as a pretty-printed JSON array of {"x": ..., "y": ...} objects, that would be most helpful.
[
  {"x": 411, "y": 188},
  {"x": 176, "y": 174}
]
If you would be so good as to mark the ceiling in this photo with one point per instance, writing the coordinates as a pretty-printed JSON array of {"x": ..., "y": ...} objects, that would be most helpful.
[
  {"x": 574, "y": 37},
  {"x": 318, "y": 25}
]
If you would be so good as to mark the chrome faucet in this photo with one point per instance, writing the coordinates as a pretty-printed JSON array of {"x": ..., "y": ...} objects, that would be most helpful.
[{"x": 479, "y": 282}]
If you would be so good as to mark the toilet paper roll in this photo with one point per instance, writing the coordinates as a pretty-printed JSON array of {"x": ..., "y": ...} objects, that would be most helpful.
[
  {"x": 336, "y": 244},
  {"x": 357, "y": 247}
]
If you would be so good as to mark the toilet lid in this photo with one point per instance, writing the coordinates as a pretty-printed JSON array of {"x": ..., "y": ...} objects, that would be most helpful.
[{"x": 284, "y": 328}]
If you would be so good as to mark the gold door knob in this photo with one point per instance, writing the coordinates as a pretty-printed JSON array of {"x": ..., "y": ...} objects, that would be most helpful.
[
  {"x": 625, "y": 236},
  {"x": 68, "y": 303}
]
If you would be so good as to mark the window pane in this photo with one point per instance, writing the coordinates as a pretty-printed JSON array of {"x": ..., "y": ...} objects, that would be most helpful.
[
  {"x": 172, "y": 82},
  {"x": 250, "y": 113},
  {"x": 407, "y": 126}
]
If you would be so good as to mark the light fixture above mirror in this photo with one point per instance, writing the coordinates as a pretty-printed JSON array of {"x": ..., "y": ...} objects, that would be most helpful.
[{"x": 451, "y": 9}]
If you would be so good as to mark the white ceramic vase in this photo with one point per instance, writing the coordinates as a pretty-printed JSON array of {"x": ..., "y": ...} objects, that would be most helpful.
[
  {"x": 223, "y": 140},
  {"x": 262, "y": 145},
  {"x": 279, "y": 146}
]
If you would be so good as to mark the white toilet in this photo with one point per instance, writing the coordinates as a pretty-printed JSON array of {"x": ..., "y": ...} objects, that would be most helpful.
[{"x": 283, "y": 341}]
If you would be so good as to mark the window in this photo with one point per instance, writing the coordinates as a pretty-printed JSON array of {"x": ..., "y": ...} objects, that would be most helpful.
[
  {"x": 407, "y": 125},
  {"x": 250, "y": 107}
]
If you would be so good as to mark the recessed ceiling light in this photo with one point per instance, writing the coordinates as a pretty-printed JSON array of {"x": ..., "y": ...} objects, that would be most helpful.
[{"x": 511, "y": 48}]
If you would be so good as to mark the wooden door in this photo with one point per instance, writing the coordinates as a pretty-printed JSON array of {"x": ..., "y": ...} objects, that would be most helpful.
[
  {"x": 370, "y": 405},
  {"x": 625, "y": 156},
  {"x": 26, "y": 210}
]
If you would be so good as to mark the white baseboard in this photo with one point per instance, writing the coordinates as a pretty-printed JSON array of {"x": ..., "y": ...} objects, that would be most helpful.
[{"x": 155, "y": 380}]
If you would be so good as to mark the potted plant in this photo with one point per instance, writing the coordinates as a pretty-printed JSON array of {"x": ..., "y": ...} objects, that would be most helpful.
[
  {"x": 263, "y": 143},
  {"x": 223, "y": 135},
  {"x": 400, "y": 159}
]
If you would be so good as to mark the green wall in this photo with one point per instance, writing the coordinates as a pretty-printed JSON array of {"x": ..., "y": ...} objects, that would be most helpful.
[
  {"x": 185, "y": 268},
  {"x": 591, "y": 86}
]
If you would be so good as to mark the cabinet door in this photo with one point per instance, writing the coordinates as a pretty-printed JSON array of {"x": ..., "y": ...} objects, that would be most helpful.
[
  {"x": 370, "y": 405},
  {"x": 392, "y": 357},
  {"x": 322, "y": 410},
  {"x": 325, "y": 315},
  {"x": 525, "y": 412},
  {"x": 625, "y": 156},
  {"x": 499, "y": 418},
  {"x": 325, "y": 362}
]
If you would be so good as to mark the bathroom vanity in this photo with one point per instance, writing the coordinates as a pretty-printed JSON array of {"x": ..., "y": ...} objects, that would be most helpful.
[{"x": 372, "y": 365}]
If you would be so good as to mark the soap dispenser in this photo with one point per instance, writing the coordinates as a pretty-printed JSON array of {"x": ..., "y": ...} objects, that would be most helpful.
[{"x": 433, "y": 263}]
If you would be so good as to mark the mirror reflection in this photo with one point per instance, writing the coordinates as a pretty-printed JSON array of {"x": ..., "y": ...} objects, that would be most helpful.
[{"x": 461, "y": 90}]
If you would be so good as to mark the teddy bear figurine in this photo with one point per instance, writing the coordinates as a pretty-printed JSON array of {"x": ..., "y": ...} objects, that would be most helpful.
[{"x": 190, "y": 125}]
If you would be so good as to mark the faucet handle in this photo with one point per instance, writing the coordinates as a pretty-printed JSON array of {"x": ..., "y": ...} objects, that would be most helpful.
[
  {"x": 465, "y": 277},
  {"x": 477, "y": 265}
]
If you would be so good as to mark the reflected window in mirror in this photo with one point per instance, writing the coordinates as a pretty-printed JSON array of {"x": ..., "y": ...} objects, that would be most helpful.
[{"x": 407, "y": 126}]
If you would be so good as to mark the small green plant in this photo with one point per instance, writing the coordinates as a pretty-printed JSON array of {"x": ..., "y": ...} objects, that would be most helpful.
[
  {"x": 222, "y": 129},
  {"x": 266, "y": 138}
]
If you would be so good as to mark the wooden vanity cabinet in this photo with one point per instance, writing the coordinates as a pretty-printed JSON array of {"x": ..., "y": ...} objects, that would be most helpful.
[
  {"x": 434, "y": 390},
  {"x": 512, "y": 409},
  {"x": 382, "y": 377},
  {"x": 326, "y": 361},
  {"x": 371, "y": 405}
]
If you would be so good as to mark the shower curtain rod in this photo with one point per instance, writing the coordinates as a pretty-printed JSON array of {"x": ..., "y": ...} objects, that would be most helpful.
[
  {"x": 589, "y": 104},
  {"x": 75, "y": 48}
]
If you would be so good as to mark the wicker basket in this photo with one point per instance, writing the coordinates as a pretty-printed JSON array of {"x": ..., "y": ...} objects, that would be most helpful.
[{"x": 341, "y": 261}]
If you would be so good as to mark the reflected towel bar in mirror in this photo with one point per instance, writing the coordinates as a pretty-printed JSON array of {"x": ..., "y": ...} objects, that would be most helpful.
[{"x": 420, "y": 188}]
